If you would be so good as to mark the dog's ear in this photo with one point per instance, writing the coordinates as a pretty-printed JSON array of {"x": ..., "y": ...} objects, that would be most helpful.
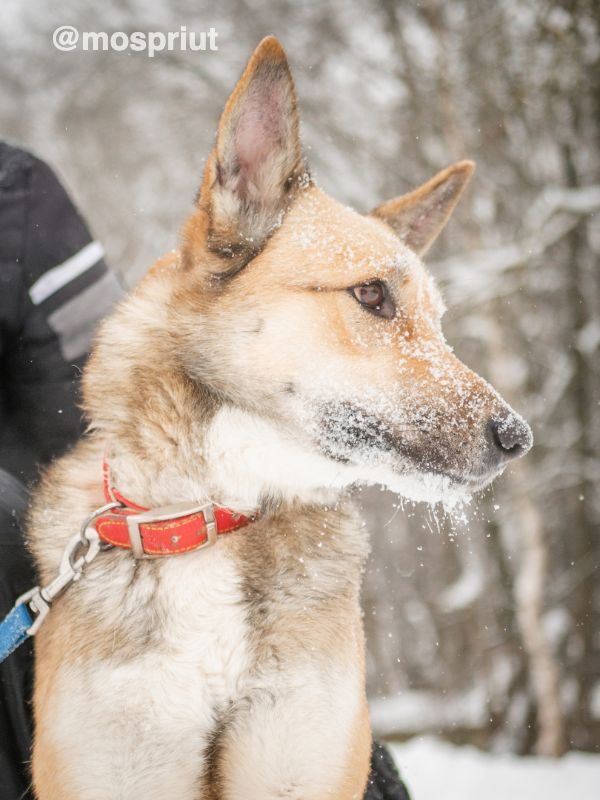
[
  {"x": 256, "y": 166},
  {"x": 419, "y": 216}
]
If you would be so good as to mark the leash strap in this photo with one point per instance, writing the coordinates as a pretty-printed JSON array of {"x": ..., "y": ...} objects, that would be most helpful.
[{"x": 14, "y": 630}]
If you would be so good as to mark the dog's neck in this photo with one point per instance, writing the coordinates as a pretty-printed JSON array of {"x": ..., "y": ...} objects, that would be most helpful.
[
  {"x": 226, "y": 455},
  {"x": 239, "y": 461},
  {"x": 171, "y": 439}
]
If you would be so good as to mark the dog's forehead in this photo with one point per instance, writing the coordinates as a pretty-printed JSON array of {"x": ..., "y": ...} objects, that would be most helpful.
[{"x": 322, "y": 242}]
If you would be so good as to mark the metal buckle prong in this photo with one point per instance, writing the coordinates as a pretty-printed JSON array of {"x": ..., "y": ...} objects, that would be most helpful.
[
  {"x": 169, "y": 512},
  {"x": 211, "y": 525}
]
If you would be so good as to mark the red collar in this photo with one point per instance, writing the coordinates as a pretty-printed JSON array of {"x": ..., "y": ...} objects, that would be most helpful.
[{"x": 163, "y": 531}]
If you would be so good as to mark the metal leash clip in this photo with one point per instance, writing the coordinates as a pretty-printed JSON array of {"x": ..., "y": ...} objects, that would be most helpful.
[{"x": 81, "y": 550}]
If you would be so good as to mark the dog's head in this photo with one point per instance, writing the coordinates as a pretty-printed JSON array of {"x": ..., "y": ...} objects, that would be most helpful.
[{"x": 324, "y": 321}]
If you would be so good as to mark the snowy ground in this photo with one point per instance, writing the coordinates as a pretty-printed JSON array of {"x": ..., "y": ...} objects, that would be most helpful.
[{"x": 436, "y": 770}]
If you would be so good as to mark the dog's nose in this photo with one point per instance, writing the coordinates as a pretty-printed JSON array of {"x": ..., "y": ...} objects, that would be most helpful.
[{"x": 510, "y": 436}]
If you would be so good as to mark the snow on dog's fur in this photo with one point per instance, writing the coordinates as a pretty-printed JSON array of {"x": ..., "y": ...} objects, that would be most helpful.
[{"x": 290, "y": 349}]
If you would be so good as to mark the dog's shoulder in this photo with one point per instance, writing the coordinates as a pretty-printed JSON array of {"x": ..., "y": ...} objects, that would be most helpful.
[{"x": 69, "y": 490}]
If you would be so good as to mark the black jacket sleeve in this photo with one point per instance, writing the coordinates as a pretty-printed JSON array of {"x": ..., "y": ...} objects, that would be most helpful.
[{"x": 54, "y": 288}]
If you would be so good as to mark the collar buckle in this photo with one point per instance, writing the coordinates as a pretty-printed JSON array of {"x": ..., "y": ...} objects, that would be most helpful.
[{"x": 170, "y": 512}]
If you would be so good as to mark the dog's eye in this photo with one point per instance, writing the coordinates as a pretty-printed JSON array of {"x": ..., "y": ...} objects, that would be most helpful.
[{"x": 375, "y": 297}]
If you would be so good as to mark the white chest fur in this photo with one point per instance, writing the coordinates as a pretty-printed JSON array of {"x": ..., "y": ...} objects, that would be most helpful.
[
  {"x": 150, "y": 717},
  {"x": 256, "y": 645}
]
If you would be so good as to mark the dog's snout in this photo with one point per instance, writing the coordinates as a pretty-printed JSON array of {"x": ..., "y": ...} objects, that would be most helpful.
[{"x": 510, "y": 436}]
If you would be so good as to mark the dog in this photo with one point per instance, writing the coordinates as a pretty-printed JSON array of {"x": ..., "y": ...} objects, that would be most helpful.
[{"x": 289, "y": 350}]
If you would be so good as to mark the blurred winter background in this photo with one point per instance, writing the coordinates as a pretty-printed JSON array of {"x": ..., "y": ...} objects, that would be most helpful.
[{"x": 483, "y": 631}]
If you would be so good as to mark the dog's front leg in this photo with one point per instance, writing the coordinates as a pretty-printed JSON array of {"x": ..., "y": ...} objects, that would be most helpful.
[{"x": 297, "y": 743}]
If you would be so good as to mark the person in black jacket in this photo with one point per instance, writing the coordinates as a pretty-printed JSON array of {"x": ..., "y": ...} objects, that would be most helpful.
[{"x": 54, "y": 289}]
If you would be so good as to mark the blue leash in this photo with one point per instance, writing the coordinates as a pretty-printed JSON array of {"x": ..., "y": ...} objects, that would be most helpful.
[
  {"x": 31, "y": 608},
  {"x": 14, "y": 629}
]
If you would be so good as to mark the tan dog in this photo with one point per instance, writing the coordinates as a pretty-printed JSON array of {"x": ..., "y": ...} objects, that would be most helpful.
[{"x": 290, "y": 349}]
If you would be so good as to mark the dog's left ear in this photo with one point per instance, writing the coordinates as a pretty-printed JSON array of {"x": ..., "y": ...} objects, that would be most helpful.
[
  {"x": 256, "y": 166},
  {"x": 418, "y": 217}
]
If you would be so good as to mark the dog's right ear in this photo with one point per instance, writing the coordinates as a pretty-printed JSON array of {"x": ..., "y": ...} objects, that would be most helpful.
[
  {"x": 419, "y": 216},
  {"x": 254, "y": 170}
]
